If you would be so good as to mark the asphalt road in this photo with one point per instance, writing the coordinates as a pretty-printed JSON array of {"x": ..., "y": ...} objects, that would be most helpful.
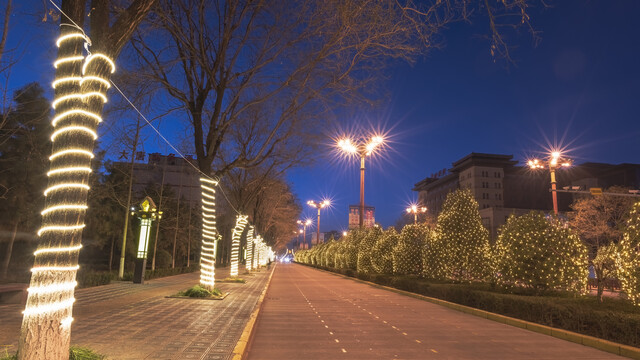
[{"x": 311, "y": 314}]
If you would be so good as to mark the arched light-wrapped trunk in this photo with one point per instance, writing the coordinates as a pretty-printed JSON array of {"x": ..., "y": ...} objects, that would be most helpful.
[
  {"x": 249, "y": 259},
  {"x": 209, "y": 234},
  {"x": 81, "y": 84},
  {"x": 241, "y": 223}
]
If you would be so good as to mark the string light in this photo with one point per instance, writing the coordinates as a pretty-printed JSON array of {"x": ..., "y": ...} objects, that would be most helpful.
[
  {"x": 49, "y": 289},
  {"x": 51, "y": 307},
  {"x": 209, "y": 232},
  {"x": 92, "y": 57},
  {"x": 73, "y": 128},
  {"x": 72, "y": 151},
  {"x": 65, "y": 186},
  {"x": 54, "y": 268},
  {"x": 66, "y": 60},
  {"x": 59, "y": 228},
  {"x": 63, "y": 38},
  {"x": 55, "y": 103},
  {"x": 58, "y": 249},
  {"x": 249, "y": 260},
  {"x": 69, "y": 169},
  {"x": 241, "y": 222},
  {"x": 63, "y": 208},
  {"x": 66, "y": 80},
  {"x": 86, "y": 78}
]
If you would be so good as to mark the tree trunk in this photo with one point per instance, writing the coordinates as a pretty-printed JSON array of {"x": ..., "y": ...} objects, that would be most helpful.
[
  {"x": 80, "y": 91},
  {"x": 7, "y": 255}
]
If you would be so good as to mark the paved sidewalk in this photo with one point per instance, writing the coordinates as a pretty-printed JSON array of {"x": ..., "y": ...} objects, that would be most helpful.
[
  {"x": 129, "y": 321},
  {"x": 310, "y": 314}
]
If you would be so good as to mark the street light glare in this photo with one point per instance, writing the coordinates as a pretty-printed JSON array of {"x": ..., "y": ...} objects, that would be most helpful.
[{"x": 347, "y": 146}]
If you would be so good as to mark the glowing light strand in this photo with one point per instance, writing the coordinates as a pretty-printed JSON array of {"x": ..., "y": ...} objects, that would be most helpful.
[
  {"x": 59, "y": 228},
  {"x": 64, "y": 207},
  {"x": 241, "y": 222},
  {"x": 72, "y": 151},
  {"x": 65, "y": 186}
]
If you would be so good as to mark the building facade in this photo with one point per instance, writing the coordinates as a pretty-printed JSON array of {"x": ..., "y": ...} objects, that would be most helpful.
[
  {"x": 354, "y": 216},
  {"x": 502, "y": 188}
]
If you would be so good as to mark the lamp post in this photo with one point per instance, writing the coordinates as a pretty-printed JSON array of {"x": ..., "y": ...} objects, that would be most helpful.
[
  {"x": 304, "y": 224},
  {"x": 361, "y": 148},
  {"x": 555, "y": 161},
  {"x": 414, "y": 209},
  {"x": 318, "y": 205},
  {"x": 147, "y": 213}
]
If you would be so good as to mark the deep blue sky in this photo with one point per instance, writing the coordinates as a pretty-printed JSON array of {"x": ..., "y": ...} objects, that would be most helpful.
[
  {"x": 580, "y": 84},
  {"x": 580, "y": 87}
]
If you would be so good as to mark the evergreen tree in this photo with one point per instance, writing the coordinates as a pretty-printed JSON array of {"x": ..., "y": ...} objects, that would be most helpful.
[
  {"x": 351, "y": 249},
  {"x": 328, "y": 259},
  {"x": 535, "y": 252},
  {"x": 461, "y": 238},
  {"x": 339, "y": 258},
  {"x": 24, "y": 151},
  {"x": 369, "y": 238},
  {"x": 382, "y": 251},
  {"x": 433, "y": 258},
  {"x": 406, "y": 254},
  {"x": 628, "y": 259}
]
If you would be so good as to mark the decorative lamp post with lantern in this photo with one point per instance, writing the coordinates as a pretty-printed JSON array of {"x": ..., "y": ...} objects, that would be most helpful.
[{"x": 147, "y": 213}]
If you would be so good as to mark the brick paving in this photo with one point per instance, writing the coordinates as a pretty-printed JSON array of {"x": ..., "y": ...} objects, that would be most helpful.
[
  {"x": 130, "y": 321},
  {"x": 310, "y": 314}
]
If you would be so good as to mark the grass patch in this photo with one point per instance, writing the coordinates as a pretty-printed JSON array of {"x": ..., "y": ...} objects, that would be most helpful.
[
  {"x": 615, "y": 320},
  {"x": 200, "y": 292},
  {"x": 75, "y": 353},
  {"x": 233, "y": 280}
]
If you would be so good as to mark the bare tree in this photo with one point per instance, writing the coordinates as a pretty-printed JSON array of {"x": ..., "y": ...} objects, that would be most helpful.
[
  {"x": 265, "y": 70},
  {"x": 600, "y": 220}
]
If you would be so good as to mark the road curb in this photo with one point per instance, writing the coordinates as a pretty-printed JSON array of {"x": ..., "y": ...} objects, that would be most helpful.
[
  {"x": 586, "y": 340},
  {"x": 245, "y": 338}
]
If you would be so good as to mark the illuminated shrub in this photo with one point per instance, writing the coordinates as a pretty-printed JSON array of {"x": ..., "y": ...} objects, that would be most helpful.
[
  {"x": 533, "y": 251},
  {"x": 381, "y": 253},
  {"x": 461, "y": 241},
  {"x": 351, "y": 249},
  {"x": 368, "y": 240},
  {"x": 329, "y": 256},
  {"x": 407, "y": 258},
  {"x": 433, "y": 257},
  {"x": 628, "y": 258}
]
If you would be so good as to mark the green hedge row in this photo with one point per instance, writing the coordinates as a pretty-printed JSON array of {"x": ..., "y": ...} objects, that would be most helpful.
[
  {"x": 94, "y": 278},
  {"x": 614, "y": 320}
]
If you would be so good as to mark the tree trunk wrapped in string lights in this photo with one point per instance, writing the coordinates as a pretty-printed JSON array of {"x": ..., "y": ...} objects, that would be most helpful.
[
  {"x": 209, "y": 234},
  {"x": 256, "y": 252},
  {"x": 241, "y": 223},
  {"x": 249, "y": 259},
  {"x": 80, "y": 92}
]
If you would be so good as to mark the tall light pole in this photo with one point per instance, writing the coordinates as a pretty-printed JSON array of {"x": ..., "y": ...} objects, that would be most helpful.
[
  {"x": 555, "y": 161},
  {"x": 414, "y": 209},
  {"x": 361, "y": 148},
  {"x": 318, "y": 205},
  {"x": 304, "y": 224}
]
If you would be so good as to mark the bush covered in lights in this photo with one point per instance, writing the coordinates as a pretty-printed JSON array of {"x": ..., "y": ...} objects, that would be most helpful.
[
  {"x": 628, "y": 258},
  {"x": 381, "y": 253},
  {"x": 461, "y": 239},
  {"x": 533, "y": 251},
  {"x": 351, "y": 249},
  {"x": 369, "y": 237},
  {"x": 406, "y": 255},
  {"x": 329, "y": 256}
]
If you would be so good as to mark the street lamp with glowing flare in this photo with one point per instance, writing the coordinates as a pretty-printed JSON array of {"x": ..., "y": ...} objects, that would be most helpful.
[
  {"x": 556, "y": 160},
  {"x": 318, "y": 205}
]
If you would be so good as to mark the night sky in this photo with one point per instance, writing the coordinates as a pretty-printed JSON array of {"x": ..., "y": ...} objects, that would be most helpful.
[{"x": 579, "y": 89}]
